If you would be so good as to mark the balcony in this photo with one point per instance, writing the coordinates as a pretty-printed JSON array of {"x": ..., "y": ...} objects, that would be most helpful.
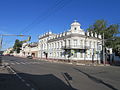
[{"x": 75, "y": 47}]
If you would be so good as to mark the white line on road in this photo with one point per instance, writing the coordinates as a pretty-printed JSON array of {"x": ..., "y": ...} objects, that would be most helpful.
[
  {"x": 11, "y": 70},
  {"x": 27, "y": 84},
  {"x": 23, "y": 80},
  {"x": 22, "y": 63},
  {"x": 17, "y": 63},
  {"x": 12, "y": 63}
]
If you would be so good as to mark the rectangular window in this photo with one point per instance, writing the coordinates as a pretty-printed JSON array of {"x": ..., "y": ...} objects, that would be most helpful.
[
  {"x": 75, "y": 42},
  {"x": 61, "y": 43},
  {"x": 69, "y": 43},
  {"x": 52, "y": 45},
  {"x": 55, "y": 46},
  {"x": 90, "y": 54},
  {"x": 81, "y": 54},
  {"x": 75, "y": 55},
  {"x": 58, "y": 45}
]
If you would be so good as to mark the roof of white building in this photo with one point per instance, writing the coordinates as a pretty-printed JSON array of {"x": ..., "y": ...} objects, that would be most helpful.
[{"x": 75, "y": 23}]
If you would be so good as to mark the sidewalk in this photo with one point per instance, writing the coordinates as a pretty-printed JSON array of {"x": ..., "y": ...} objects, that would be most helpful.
[{"x": 71, "y": 62}]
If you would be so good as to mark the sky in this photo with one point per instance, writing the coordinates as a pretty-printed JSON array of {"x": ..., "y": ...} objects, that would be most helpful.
[{"x": 35, "y": 17}]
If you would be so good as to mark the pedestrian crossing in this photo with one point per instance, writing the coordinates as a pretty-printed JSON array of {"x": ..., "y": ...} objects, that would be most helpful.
[{"x": 24, "y": 63}]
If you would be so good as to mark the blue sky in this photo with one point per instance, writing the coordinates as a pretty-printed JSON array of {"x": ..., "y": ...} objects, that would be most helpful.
[{"x": 34, "y": 17}]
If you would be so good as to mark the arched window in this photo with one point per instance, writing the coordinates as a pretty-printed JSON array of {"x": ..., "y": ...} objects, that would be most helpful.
[
  {"x": 75, "y": 28},
  {"x": 69, "y": 42},
  {"x": 58, "y": 45},
  {"x": 61, "y": 44}
]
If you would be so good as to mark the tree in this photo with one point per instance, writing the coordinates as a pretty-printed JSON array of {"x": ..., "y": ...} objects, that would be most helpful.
[
  {"x": 111, "y": 33},
  {"x": 17, "y": 45}
]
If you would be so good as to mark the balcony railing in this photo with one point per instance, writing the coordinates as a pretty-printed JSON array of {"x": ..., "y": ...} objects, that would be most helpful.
[{"x": 75, "y": 47}]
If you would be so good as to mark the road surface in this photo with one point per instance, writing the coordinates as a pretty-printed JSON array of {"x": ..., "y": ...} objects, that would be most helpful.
[{"x": 42, "y": 75}]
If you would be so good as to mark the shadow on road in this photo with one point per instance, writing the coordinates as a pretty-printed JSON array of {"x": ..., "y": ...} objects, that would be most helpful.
[
  {"x": 40, "y": 82},
  {"x": 11, "y": 82},
  {"x": 46, "y": 82},
  {"x": 97, "y": 80}
]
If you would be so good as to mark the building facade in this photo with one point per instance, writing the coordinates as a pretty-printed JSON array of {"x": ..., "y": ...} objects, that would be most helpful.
[
  {"x": 74, "y": 44},
  {"x": 29, "y": 49}
]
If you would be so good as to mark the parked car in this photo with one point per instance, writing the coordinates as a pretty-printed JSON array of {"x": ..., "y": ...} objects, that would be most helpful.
[{"x": 30, "y": 57}]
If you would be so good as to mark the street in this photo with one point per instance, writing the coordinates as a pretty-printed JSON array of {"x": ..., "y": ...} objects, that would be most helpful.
[{"x": 42, "y": 75}]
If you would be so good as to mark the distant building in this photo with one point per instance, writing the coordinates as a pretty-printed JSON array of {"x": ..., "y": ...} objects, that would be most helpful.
[
  {"x": 29, "y": 49},
  {"x": 8, "y": 51},
  {"x": 75, "y": 44}
]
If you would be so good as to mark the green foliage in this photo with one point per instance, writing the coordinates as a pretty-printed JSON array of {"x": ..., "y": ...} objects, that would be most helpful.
[
  {"x": 111, "y": 33},
  {"x": 11, "y": 51},
  {"x": 17, "y": 45}
]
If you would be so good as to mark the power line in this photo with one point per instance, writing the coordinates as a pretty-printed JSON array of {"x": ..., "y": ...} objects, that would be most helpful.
[
  {"x": 59, "y": 4},
  {"x": 44, "y": 14}
]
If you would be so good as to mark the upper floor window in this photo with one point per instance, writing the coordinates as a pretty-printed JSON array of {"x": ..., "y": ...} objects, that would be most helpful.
[
  {"x": 69, "y": 42},
  {"x": 75, "y": 42},
  {"x": 61, "y": 43},
  {"x": 75, "y": 28},
  {"x": 52, "y": 45},
  {"x": 58, "y": 45},
  {"x": 81, "y": 42}
]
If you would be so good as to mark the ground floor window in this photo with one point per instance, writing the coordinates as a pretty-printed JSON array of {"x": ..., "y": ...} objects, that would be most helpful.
[
  {"x": 61, "y": 54},
  {"x": 58, "y": 54},
  {"x": 81, "y": 53},
  {"x": 75, "y": 55}
]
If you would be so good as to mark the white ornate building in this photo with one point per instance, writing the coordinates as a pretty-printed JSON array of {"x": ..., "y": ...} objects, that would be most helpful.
[{"x": 75, "y": 44}]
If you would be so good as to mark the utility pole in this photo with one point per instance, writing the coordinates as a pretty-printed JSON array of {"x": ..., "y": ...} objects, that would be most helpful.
[
  {"x": 1, "y": 50},
  {"x": 1, "y": 42},
  {"x": 103, "y": 46}
]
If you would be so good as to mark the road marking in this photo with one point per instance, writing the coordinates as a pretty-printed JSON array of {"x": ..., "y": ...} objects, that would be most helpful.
[
  {"x": 11, "y": 70},
  {"x": 23, "y": 80},
  {"x": 13, "y": 63},
  {"x": 17, "y": 63},
  {"x": 27, "y": 84},
  {"x": 18, "y": 76}
]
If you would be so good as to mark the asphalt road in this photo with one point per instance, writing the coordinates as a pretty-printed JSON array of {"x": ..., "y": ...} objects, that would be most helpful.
[{"x": 42, "y": 75}]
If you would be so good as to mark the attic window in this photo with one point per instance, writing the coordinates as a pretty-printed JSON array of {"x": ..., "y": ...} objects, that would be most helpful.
[{"x": 75, "y": 28}]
